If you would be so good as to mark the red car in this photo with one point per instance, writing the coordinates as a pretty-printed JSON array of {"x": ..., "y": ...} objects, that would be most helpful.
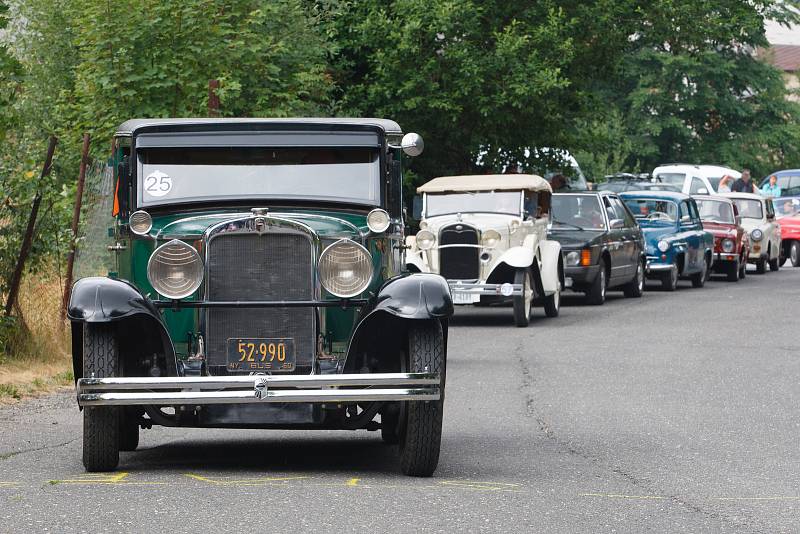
[
  {"x": 788, "y": 212},
  {"x": 731, "y": 243}
]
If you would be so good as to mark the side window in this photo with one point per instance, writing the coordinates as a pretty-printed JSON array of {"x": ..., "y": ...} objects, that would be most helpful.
[
  {"x": 784, "y": 182},
  {"x": 697, "y": 185},
  {"x": 612, "y": 214},
  {"x": 770, "y": 207},
  {"x": 693, "y": 212},
  {"x": 793, "y": 188},
  {"x": 684, "y": 211},
  {"x": 623, "y": 212},
  {"x": 531, "y": 204}
]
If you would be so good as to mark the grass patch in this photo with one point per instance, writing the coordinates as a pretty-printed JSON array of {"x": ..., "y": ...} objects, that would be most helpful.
[{"x": 36, "y": 356}]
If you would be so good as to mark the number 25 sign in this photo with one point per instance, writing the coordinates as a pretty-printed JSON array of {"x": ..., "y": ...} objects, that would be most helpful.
[{"x": 157, "y": 184}]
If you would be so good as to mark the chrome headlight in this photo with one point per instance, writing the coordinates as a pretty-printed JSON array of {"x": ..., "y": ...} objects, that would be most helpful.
[
  {"x": 378, "y": 221},
  {"x": 757, "y": 235},
  {"x": 490, "y": 238},
  {"x": 425, "y": 239},
  {"x": 345, "y": 269},
  {"x": 728, "y": 245},
  {"x": 175, "y": 270},
  {"x": 573, "y": 258},
  {"x": 140, "y": 222},
  {"x": 663, "y": 246}
]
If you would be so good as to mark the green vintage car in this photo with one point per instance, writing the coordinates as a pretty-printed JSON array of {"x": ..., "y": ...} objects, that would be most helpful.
[{"x": 260, "y": 283}]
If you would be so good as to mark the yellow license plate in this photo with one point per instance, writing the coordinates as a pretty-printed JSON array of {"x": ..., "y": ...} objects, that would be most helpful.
[{"x": 268, "y": 354}]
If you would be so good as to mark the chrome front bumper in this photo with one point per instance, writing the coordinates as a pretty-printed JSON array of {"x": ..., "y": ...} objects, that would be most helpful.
[
  {"x": 200, "y": 390},
  {"x": 506, "y": 290}
]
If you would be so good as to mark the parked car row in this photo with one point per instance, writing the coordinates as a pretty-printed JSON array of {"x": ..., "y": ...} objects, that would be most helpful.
[{"x": 507, "y": 239}]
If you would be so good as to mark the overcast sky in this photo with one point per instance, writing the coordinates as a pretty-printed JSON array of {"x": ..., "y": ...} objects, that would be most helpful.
[{"x": 778, "y": 34}]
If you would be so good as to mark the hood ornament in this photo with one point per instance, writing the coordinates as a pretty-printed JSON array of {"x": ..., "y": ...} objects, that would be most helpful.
[{"x": 260, "y": 225}]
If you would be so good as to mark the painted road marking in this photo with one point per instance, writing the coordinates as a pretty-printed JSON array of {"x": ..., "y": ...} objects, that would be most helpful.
[
  {"x": 622, "y": 496},
  {"x": 259, "y": 481},
  {"x": 119, "y": 479},
  {"x": 482, "y": 485},
  {"x": 8, "y": 484},
  {"x": 352, "y": 482}
]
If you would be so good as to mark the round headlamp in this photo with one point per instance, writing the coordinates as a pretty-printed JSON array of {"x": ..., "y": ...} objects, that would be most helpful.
[
  {"x": 757, "y": 235},
  {"x": 490, "y": 238},
  {"x": 728, "y": 245},
  {"x": 425, "y": 239},
  {"x": 573, "y": 258},
  {"x": 140, "y": 222},
  {"x": 345, "y": 269},
  {"x": 663, "y": 246},
  {"x": 378, "y": 221},
  {"x": 175, "y": 270}
]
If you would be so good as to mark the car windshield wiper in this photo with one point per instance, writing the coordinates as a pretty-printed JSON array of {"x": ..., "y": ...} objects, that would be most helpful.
[{"x": 568, "y": 224}]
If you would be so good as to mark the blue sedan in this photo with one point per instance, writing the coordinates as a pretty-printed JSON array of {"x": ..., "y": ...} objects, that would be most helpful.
[{"x": 677, "y": 245}]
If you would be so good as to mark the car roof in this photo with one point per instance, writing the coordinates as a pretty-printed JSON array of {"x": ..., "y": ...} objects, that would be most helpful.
[
  {"x": 751, "y": 196},
  {"x": 711, "y": 197},
  {"x": 595, "y": 192},
  {"x": 485, "y": 182},
  {"x": 782, "y": 172},
  {"x": 705, "y": 170},
  {"x": 659, "y": 195},
  {"x": 130, "y": 127}
]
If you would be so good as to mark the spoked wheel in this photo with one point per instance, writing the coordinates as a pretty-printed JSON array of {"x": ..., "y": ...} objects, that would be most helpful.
[
  {"x": 699, "y": 279},
  {"x": 523, "y": 303},
  {"x": 101, "y": 424},
  {"x": 794, "y": 253},
  {"x": 669, "y": 281},
  {"x": 597, "y": 292},
  {"x": 635, "y": 287},
  {"x": 421, "y": 440}
]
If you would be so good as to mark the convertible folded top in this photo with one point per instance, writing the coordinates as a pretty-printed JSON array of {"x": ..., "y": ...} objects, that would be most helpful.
[{"x": 485, "y": 182}]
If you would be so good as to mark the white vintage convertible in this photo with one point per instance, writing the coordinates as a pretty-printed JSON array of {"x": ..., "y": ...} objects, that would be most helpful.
[{"x": 487, "y": 235}]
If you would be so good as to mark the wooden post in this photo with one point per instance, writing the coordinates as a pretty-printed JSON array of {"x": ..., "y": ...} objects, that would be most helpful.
[
  {"x": 16, "y": 278},
  {"x": 76, "y": 217},
  {"x": 213, "y": 98}
]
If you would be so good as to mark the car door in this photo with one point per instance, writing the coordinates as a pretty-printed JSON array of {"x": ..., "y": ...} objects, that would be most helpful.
[
  {"x": 774, "y": 227},
  {"x": 691, "y": 236},
  {"x": 615, "y": 241},
  {"x": 704, "y": 237},
  {"x": 631, "y": 241}
]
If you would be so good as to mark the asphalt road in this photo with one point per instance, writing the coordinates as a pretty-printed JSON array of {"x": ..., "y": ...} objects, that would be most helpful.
[{"x": 676, "y": 412}]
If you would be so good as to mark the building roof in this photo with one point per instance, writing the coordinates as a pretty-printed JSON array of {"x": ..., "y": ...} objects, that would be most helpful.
[
  {"x": 130, "y": 126},
  {"x": 485, "y": 182},
  {"x": 785, "y": 57}
]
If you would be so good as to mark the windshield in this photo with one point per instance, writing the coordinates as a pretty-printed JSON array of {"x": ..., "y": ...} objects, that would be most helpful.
[
  {"x": 749, "y": 209},
  {"x": 508, "y": 202},
  {"x": 672, "y": 178},
  {"x": 715, "y": 210},
  {"x": 652, "y": 210},
  {"x": 786, "y": 207},
  {"x": 583, "y": 211},
  {"x": 175, "y": 175}
]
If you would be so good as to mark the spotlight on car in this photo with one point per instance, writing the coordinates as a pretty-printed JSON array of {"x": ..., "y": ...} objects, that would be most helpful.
[
  {"x": 757, "y": 235},
  {"x": 425, "y": 240}
]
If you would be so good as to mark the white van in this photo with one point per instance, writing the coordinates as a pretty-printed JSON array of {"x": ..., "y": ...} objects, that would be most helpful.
[{"x": 694, "y": 179}]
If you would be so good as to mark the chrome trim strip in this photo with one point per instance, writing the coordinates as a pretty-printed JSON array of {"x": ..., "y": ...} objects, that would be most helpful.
[{"x": 482, "y": 289}]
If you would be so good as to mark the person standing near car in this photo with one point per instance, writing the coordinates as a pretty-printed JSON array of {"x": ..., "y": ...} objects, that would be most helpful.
[
  {"x": 743, "y": 184},
  {"x": 771, "y": 188},
  {"x": 725, "y": 184}
]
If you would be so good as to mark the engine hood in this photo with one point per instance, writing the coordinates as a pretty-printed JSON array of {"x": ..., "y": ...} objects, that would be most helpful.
[
  {"x": 574, "y": 239},
  {"x": 720, "y": 229},
  {"x": 328, "y": 224}
]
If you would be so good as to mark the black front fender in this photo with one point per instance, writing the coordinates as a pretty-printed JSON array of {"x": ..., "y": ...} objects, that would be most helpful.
[
  {"x": 106, "y": 300},
  {"x": 382, "y": 331}
]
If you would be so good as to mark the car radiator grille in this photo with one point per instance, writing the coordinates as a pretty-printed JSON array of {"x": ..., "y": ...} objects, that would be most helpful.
[
  {"x": 248, "y": 267},
  {"x": 459, "y": 263}
]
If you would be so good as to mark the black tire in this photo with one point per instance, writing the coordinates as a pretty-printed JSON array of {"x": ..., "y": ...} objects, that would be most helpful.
[
  {"x": 597, "y": 291},
  {"x": 669, "y": 280},
  {"x": 794, "y": 253},
  {"x": 420, "y": 444},
  {"x": 699, "y": 279},
  {"x": 552, "y": 303},
  {"x": 522, "y": 305},
  {"x": 774, "y": 264},
  {"x": 128, "y": 429},
  {"x": 635, "y": 287},
  {"x": 761, "y": 265},
  {"x": 733, "y": 271},
  {"x": 101, "y": 437},
  {"x": 742, "y": 266}
]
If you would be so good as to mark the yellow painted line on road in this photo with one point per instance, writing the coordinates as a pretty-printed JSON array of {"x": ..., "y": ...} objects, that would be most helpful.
[
  {"x": 104, "y": 479},
  {"x": 258, "y": 481},
  {"x": 352, "y": 482},
  {"x": 622, "y": 496},
  {"x": 481, "y": 485},
  {"x": 8, "y": 484},
  {"x": 776, "y": 498}
]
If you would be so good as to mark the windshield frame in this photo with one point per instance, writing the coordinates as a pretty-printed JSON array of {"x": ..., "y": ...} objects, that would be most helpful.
[
  {"x": 519, "y": 212},
  {"x": 653, "y": 222},
  {"x": 757, "y": 201}
]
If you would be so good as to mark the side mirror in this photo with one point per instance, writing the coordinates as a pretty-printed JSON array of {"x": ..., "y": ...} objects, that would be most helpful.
[
  {"x": 412, "y": 144},
  {"x": 770, "y": 216},
  {"x": 702, "y": 191},
  {"x": 416, "y": 207},
  {"x": 616, "y": 224}
]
